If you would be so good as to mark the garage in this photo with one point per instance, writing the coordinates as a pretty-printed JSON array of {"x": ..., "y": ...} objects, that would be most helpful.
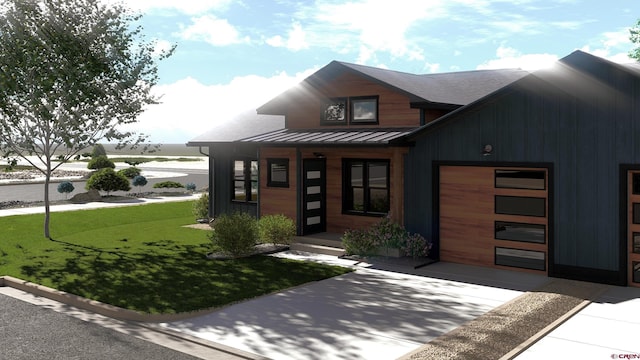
[{"x": 495, "y": 216}]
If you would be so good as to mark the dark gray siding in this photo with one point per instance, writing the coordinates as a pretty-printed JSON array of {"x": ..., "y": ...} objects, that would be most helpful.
[
  {"x": 586, "y": 126},
  {"x": 223, "y": 157}
]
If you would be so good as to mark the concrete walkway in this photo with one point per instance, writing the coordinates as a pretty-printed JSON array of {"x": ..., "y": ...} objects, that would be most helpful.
[{"x": 376, "y": 312}]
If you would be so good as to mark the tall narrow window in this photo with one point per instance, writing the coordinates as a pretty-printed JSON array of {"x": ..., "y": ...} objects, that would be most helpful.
[
  {"x": 366, "y": 187},
  {"x": 245, "y": 181}
]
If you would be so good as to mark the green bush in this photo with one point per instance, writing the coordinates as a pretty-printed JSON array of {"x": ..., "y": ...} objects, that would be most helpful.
[
  {"x": 98, "y": 150},
  {"x": 65, "y": 187},
  {"x": 358, "y": 242},
  {"x": 276, "y": 229},
  {"x": 100, "y": 162},
  {"x": 201, "y": 207},
  {"x": 130, "y": 172},
  {"x": 167, "y": 184},
  {"x": 108, "y": 180},
  {"x": 235, "y": 234}
]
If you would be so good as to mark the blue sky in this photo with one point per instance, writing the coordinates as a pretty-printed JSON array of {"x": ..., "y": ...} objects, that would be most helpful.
[{"x": 235, "y": 55}]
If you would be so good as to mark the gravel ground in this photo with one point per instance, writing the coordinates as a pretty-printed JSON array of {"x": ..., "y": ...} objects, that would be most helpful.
[{"x": 501, "y": 330}]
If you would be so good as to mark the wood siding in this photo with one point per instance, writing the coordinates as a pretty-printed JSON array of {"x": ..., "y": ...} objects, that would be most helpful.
[
  {"x": 278, "y": 200},
  {"x": 632, "y": 257},
  {"x": 467, "y": 216},
  {"x": 585, "y": 130},
  {"x": 284, "y": 200},
  {"x": 393, "y": 107}
]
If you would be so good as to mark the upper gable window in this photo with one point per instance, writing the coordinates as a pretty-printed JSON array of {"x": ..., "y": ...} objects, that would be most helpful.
[
  {"x": 334, "y": 111},
  {"x": 364, "y": 110},
  {"x": 352, "y": 110}
]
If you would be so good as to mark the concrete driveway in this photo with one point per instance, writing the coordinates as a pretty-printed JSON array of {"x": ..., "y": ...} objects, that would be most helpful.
[{"x": 376, "y": 312}]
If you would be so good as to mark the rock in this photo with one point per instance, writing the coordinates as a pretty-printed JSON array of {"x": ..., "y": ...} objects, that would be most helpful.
[{"x": 90, "y": 196}]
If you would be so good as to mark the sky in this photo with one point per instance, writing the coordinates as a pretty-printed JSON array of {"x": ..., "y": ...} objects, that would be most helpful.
[{"x": 234, "y": 55}]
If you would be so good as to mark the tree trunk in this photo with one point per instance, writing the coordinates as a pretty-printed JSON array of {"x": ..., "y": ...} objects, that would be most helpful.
[{"x": 47, "y": 211}]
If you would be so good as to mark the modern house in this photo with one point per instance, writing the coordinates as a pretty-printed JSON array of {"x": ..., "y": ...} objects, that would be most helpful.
[{"x": 537, "y": 172}]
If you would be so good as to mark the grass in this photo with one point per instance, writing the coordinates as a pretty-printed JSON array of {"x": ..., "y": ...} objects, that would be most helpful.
[{"x": 141, "y": 258}]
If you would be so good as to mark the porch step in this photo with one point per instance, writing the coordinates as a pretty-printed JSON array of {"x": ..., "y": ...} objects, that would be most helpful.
[
  {"x": 322, "y": 243},
  {"x": 317, "y": 249}
]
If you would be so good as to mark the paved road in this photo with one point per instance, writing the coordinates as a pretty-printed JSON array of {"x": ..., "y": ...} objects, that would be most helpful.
[
  {"x": 35, "y": 192},
  {"x": 34, "y": 332}
]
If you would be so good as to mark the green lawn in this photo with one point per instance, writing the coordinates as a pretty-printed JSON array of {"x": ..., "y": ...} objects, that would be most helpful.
[{"x": 141, "y": 258}]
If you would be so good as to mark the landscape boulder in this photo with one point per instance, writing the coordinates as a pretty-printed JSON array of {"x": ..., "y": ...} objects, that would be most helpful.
[{"x": 89, "y": 196}]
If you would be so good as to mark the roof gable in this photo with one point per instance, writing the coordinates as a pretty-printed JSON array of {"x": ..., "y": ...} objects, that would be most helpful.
[
  {"x": 455, "y": 88},
  {"x": 578, "y": 73}
]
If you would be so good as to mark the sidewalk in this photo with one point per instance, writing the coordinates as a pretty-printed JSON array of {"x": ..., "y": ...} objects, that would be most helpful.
[{"x": 96, "y": 205}]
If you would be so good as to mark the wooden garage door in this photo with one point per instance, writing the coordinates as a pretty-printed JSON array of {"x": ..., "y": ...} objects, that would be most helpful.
[{"x": 494, "y": 216}]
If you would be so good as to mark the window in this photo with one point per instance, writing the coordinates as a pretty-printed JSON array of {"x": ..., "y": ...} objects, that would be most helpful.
[
  {"x": 636, "y": 243},
  {"x": 334, "y": 111},
  {"x": 526, "y": 259},
  {"x": 359, "y": 110},
  {"x": 635, "y": 188},
  {"x": 366, "y": 187},
  {"x": 278, "y": 172},
  {"x": 636, "y": 213},
  {"x": 245, "y": 181},
  {"x": 520, "y": 205},
  {"x": 364, "y": 110},
  {"x": 533, "y": 233},
  {"x": 636, "y": 272},
  {"x": 520, "y": 179}
]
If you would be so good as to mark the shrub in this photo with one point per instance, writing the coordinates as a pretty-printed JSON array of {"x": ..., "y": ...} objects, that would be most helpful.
[
  {"x": 98, "y": 150},
  {"x": 235, "y": 234},
  {"x": 201, "y": 207},
  {"x": 358, "y": 242},
  {"x": 415, "y": 245},
  {"x": 276, "y": 229},
  {"x": 387, "y": 233},
  {"x": 139, "y": 181},
  {"x": 167, "y": 184},
  {"x": 130, "y": 172},
  {"x": 100, "y": 162},
  {"x": 190, "y": 186},
  {"x": 65, "y": 187},
  {"x": 108, "y": 180}
]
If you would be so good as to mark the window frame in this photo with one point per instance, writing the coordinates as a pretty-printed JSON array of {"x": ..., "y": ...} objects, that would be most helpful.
[
  {"x": 277, "y": 161},
  {"x": 495, "y": 205},
  {"x": 524, "y": 187},
  {"x": 247, "y": 179},
  {"x": 360, "y": 99},
  {"x": 347, "y": 192},
  {"x": 331, "y": 102},
  {"x": 520, "y": 224}
]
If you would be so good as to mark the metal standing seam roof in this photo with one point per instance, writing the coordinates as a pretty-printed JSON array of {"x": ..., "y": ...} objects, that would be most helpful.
[{"x": 366, "y": 136}]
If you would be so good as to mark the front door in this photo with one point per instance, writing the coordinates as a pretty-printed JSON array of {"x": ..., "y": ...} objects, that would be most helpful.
[{"x": 314, "y": 196}]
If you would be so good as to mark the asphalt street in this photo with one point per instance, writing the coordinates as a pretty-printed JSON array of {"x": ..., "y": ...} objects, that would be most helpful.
[
  {"x": 32, "y": 332},
  {"x": 35, "y": 191}
]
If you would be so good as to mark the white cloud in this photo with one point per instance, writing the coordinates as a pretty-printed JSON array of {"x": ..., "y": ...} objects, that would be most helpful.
[
  {"x": 511, "y": 58},
  {"x": 613, "y": 46},
  {"x": 296, "y": 39},
  {"x": 189, "y": 108},
  {"x": 162, "y": 46},
  {"x": 191, "y": 7},
  {"x": 215, "y": 31}
]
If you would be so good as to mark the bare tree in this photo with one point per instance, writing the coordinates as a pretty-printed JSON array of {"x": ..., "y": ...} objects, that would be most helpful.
[{"x": 72, "y": 72}]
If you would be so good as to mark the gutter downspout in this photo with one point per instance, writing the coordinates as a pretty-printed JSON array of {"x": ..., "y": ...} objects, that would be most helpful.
[{"x": 211, "y": 182}]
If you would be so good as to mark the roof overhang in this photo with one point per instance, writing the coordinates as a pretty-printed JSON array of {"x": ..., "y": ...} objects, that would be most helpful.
[{"x": 333, "y": 137}]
